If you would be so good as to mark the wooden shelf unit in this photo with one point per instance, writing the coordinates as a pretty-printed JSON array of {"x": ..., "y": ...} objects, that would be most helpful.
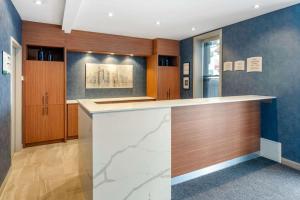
[
  {"x": 44, "y": 96},
  {"x": 163, "y": 82}
]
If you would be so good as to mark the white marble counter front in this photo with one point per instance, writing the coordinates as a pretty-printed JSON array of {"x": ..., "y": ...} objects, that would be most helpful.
[
  {"x": 93, "y": 108},
  {"x": 112, "y": 99}
]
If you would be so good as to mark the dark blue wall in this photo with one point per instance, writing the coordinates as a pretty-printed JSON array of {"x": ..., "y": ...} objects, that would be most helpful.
[
  {"x": 275, "y": 37},
  {"x": 10, "y": 25},
  {"x": 76, "y": 75},
  {"x": 186, "y": 56}
]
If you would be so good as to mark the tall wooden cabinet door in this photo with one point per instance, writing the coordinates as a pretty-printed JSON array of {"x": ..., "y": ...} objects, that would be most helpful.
[
  {"x": 55, "y": 83},
  {"x": 35, "y": 124},
  {"x": 34, "y": 83},
  {"x": 163, "y": 83},
  {"x": 174, "y": 83},
  {"x": 55, "y": 124}
]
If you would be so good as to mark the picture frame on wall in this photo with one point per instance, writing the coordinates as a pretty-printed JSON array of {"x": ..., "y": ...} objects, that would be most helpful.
[
  {"x": 186, "y": 83},
  {"x": 186, "y": 68}
]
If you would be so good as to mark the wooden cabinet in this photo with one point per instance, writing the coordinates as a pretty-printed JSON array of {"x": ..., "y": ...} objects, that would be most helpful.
[
  {"x": 168, "y": 83},
  {"x": 72, "y": 121},
  {"x": 44, "y": 96},
  {"x": 163, "y": 82}
]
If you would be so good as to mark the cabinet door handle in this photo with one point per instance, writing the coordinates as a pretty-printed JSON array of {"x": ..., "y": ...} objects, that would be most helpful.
[
  {"x": 43, "y": 100},
  {"x": 43, "y": 111},
  {"x": 46, "y": 98},
  {"x": 46, "y": 108}
]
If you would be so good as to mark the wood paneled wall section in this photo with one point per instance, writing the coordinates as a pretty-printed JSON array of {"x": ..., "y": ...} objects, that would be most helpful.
[
  {"x": 152, "y": 76},
  {"x": 104, "y": 43},
  {"x": 166, "y": 47},
  {"x": 52, "y": 35},
  {"x": 205, "y": 135}
]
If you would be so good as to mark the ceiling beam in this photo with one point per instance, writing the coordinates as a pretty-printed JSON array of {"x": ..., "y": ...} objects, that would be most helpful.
[{"x": 70, "y": 14}]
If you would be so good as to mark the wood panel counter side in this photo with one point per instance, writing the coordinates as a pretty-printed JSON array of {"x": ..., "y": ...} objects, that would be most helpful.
[{"x": 205, "y": 135}]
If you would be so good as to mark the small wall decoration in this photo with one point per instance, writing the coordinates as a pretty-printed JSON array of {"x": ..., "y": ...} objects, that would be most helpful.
[
  {"x": 6, "y": 65},
  {"x": 186, "y": 69},
  {"x": 239, "y": 65},
  {"x": 254, "y": 64},
  {"x": 108, "y": 76},
  {"x": 228, "y": 66},
  {"x": 186, "y": 83}
]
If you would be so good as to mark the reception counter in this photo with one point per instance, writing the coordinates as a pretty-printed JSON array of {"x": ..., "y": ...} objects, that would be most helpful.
[{"x": 133, "y": 150}]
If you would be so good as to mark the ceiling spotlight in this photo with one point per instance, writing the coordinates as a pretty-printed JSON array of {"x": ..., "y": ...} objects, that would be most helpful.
[
  {"x": 112, "y": 53},
  {"x": 110, "y": 14},
  {"x": 38, "y": 2},
  {"x": 256, "y": 6},
  {"x": 131, "y": 55},
  {"x": 158, "y": 23},
  {"x": 193, "y": 28},
  {"x": 89, "y": 52}
]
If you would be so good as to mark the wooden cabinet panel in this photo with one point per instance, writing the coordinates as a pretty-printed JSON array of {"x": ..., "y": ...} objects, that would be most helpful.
[
  {"x": 44, "y": 94},
  {"x": 35, "y": 124},
  {"x": 34, "y": 83},
  {"x": 55, "y": 83},
  {"x": 72, "y": 120},
  {"x": 168, "y": 83},
  {"x": 55, "y": 124},
  {"x": 166, "y": 47}
]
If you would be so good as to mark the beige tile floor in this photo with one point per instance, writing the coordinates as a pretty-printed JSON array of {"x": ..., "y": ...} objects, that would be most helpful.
[{"x": 45, "y": 172}]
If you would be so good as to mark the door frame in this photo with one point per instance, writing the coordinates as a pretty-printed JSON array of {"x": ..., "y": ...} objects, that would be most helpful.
[
  {"x": 16, "y": 98},
  {"x": 198, "y": 61}
]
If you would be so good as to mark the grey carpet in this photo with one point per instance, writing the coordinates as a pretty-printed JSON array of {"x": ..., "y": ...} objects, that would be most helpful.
[{"x": 258, "y": 179}]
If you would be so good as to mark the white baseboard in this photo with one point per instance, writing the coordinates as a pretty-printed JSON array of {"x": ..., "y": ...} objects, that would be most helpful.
[
  {"x": 213, "y": 168},
  {"x": 291, "y": 164},
  {"x": 270, "y": 149},
  {"x": 4, "y": 183}
]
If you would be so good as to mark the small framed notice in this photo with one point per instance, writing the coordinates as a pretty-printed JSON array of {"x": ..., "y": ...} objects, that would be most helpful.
[
  {"x": 254, "y": 64},
  {"x": 186, "y": 83},
  {"x": 186, "y": 69},
  {"x": 228, "y": 66},
  {"x": 239, "y": 65},
  {"x": 6, "y": 65}
]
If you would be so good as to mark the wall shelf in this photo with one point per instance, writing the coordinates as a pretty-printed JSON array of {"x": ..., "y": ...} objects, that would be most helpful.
[{"x": 43, "y": 53}]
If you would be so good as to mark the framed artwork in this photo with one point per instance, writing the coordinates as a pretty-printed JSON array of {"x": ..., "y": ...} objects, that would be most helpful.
[
  {"x": 186, "y": 83},
  {"x": 108, "y": 76},
  {"x": 186, "y": 69}
]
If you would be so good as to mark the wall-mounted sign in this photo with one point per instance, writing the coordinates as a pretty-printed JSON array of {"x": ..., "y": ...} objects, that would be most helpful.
[
  {"x": 254, "y": 64},
  {"x": 6, "y": 65},
  {"x": 239, "y": 65},
  {"x": 186, "y": 69},
  {"x": 228, "y": 66},
  {"x": 186, "y": 83}
]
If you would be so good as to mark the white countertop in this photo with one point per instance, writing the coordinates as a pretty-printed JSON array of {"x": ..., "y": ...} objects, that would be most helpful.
[
  {"x": 93, "y": 108},
  {"x": 112, "y": 99}
]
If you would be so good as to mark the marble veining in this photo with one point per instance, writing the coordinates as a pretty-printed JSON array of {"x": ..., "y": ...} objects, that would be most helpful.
[{"x": 131, "y": 155}]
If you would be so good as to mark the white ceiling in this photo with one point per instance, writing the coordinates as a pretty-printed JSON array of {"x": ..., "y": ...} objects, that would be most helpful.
[{"x": 138, "y": 17}]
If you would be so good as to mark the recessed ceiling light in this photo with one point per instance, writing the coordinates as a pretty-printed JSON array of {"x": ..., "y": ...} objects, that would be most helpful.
[
  {"x": 158, "y": 23},
  {"x": 112, "y": 53},
  {"x": 38, "y": 2},
  {"x": 89, "y": 52},
  {"x": 131, "y": 55},
  {"x": 193, "y": 28},
  {"x": 256, "y": 6},
  {"x": 110, "y": 14}
]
